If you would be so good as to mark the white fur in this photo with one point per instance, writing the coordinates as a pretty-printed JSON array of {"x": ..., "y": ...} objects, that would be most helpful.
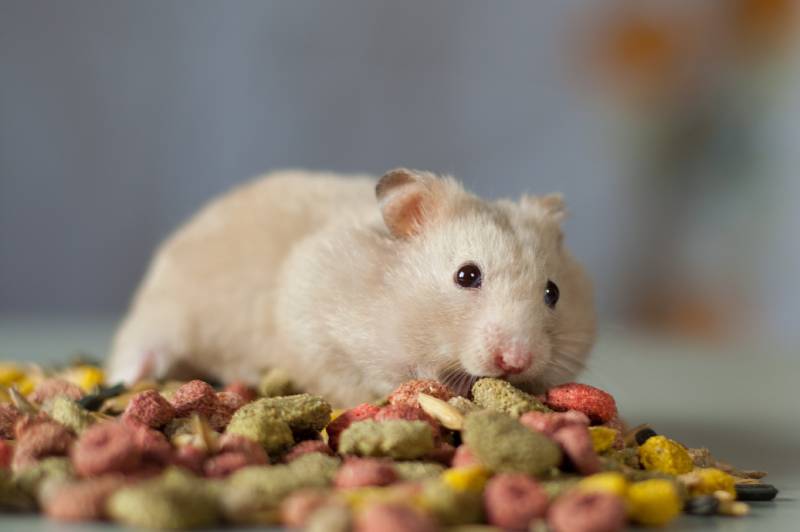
[{"x": 301, "y": 270}]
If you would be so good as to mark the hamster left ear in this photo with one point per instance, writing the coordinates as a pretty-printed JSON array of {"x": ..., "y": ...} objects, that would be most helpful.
[
  {"x": 546, "y": 208},
  {"x": 409, "y": 200}
]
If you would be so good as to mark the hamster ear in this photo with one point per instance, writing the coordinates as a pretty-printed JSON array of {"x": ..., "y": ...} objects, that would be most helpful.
[
  {"x": 549, "y": 208},
  {"x": 409, "y": 200}
]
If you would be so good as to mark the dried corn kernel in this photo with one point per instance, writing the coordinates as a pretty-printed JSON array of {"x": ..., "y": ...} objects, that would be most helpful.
[
  {"x": 654, "y": 502},
  {"x": 470, "y": 478},
  {"x": 603, "y": 438},
  {"x": 608, "y": 482},
  {"x": 706, "y": 481},
  {"x": 659, "y": 453}
]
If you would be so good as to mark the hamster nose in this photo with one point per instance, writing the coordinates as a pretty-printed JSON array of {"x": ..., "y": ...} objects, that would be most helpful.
[{"x": 512, "y": 361}]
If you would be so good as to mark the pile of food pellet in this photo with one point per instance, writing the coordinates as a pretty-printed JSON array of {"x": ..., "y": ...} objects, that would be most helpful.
[{"x": 182, "y": 455}]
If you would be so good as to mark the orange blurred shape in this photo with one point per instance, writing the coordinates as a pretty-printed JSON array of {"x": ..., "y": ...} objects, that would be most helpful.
[{"x": 764, "y": 23}]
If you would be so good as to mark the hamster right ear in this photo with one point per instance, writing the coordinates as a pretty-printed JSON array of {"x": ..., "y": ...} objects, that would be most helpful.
[{"x": 409, "y": 200}]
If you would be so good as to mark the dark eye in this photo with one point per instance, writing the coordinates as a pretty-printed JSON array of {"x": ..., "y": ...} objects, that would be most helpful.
[
  {"x": 468, "y": 276},
  {"x": 551, "y": 294}
]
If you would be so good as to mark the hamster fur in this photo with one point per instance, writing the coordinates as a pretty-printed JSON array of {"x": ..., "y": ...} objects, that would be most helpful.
[{"x": 350, "y": 287}]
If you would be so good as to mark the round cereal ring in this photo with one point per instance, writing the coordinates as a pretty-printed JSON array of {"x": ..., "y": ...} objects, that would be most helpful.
[
  {"x": 594, "y": 402},
  {"x": 41, "y": 439},
  {"x": 360, "y": 472},
  {"x": 579, "y": 511},
  {"x": 106, "y": 448},
  {"x": 513, "y": 500}
]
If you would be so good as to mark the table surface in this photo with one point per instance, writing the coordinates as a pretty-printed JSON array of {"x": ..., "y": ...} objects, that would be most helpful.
[{"x": 740, "y": 402}]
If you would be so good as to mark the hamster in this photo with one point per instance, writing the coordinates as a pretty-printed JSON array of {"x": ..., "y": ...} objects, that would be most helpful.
[{"x": 354, "y": 287}]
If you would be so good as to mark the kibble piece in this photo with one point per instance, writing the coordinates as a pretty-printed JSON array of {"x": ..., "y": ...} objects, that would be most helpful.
[
  {"x": 52, "y": 469},
  {"x": 412, "y": 471},
  {"x": 606, "y": 482},
  {"x": 171, "y": 501},
  {"x": 587, "y": 512},
  {"x": 360, "y": 472},
  {"x": 399, "y": 439},
  {"x": 296, "y": 509},
  {"x": 710, "y": 480},
  {"x": 603, "y": 438},
  {"x": 40, "y": 439},
  {"x": 659, "y": 453},
  {"x": 106, "y": 447},
  {"x": 262, "y": 426},
  {"x": 9, "y": 415},
  {"x": 150, "y": 408},
  {"x": 594, "y": 402},
  {"x": 410, "y": 413},
  {"x": 300, "y": 412},
  {"x": 449, "y": 506},
  {"x": 549, "y": 422},
  {"x": 464, "y": 457},
  {"x": 6, "y": 454},
  {"x": 12, "y": 496},
  {"x": 275, "y": 383},
  {"x": 407, "y": 392},
  {"x": 53, "y": 387},
  {"x": 84, "y": 500},
  {"x": 469, "y": 478},
  {"x": 243, "y": 390},
  {"x": 330, "y": 518},
  {"x": 577, "y": 445},
  {"x": 502, "y": 396},
  {"x": 306, "y": 447},
  {"x": 756, "y": 492},
  {"x": 653, "y": 502},
  {"x": 361, "y": 412},
  {"x": 512, "y": 501},
  {"x": 393, "y": 518},
  {"x": 194, "y": 396},
  {"x": 504, "y": 445},
  {"x": 70, "y": 414}
]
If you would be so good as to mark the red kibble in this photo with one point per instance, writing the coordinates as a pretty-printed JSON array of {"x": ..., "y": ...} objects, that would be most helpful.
[
  {"x": 587, "y": 512},
  {"x": 360, "y": 472},
  {"x": 407, "y": 392},
  {"x": 9, "y": 414},
  {"x": 152, "y": 444},
  {"x": 306, "y": 447},
  {"x": 549, "y": 422},
  {"x": 442, "y": 453},
  {"x": 224, "y": 464},
  {"x": 254, "y": 451},
  {"x": 195, "y": 396},
  {"x": 297, "y": 507},
  {"x": 576, "y": 442},
  {"x": 594, "y": 402},
  {"x": 227, "y": 405},
  {"x": 53, "y": 387},
  {"x": 384, "y": 517},
  {"x": 6, "y": 454},
  {"x": 190, "y": 457},
  {"x": 358, "y": 413},
  {"x": 107, "y": 447},
  {"x": 243, "y": 390},
  {"x": 464, "y": 457},
  {"x": 150, "y": 408},
  {"x": 41, "y": 439},
  {"x": 513, "y": 500},
  {"x": 84, "y": 500}
]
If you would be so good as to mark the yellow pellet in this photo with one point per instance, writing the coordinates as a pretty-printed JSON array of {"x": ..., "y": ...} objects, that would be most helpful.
[
  {"x": 659, "y": 453},
  {"x": 602, "y": 438},
  {"x": 10, "y": 373},
  {"x": 710, "y": 480},
  {"x": 469, "y": 478},
  {"x": 608, "y": 482},
  {"x": 653, "y": 502},
  {"x": 87, "y": 377}
]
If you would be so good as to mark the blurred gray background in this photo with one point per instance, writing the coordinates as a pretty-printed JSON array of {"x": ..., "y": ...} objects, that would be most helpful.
[{"x": 119, "y": 119}]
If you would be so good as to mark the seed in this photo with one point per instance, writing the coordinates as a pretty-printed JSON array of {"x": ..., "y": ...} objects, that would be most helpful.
[
  {"x": 755, "y": 492},
  {"x": 443, "y": 412}
]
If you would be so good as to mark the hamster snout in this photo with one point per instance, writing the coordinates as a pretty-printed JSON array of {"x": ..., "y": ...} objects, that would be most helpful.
[{"x": 512, "y": 360}]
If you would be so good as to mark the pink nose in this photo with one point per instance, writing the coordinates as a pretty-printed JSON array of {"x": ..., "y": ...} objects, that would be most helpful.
[{"x": 512, "y": 360}]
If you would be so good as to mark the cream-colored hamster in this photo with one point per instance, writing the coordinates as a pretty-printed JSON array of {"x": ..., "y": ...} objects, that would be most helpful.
[{"x": 352, "y": 296}]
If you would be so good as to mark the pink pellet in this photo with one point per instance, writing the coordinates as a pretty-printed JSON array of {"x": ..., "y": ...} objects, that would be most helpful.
[
  {"x": 594, "y": 402},
  {"x": 407, "y": 392},
  {"x": 549, "y": 422},
  {"x": 106, "y": 447},
  {"x": 6, "y": 454},
  {"x": 464, "y": 457},
  {"x": 150, "y": 408},
  {"x": 442, "y": 453},
  {"x": 576, "y": 442},
  {"x": 227, "y": 405},
  {"x": 191, "y": 458},
  {"x": 84, "y": 500},
  {"x": 578, "y": 511},
  {"x": 152, "y": 444},
  {"x": 383, "y": 517},
  {"x": 360, "y": 472},
  {"x": 224, "y": 464},
  {"x": 306, "y": 447},
  {"x": 298, "y": 507},
  {"x": 41, "y": 439},
  {"x": 254, "y": 451},
  {"x": 8, "y": 418},
  {"x": 243, "y": 390},
  {"x": 195, "y": 396},
  {"x": 53, "y": 387},
  {"x": 338, "y": 425},
  {"x": 513, "y": 500}
]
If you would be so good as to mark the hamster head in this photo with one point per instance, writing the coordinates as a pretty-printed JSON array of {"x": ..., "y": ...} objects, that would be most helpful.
[{"x": 482, "y": 288}]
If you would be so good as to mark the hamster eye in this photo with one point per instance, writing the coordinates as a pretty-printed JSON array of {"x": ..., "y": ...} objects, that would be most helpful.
[
  {"x": 468, "y": 276},
  {"x": 551, "y": 294}
]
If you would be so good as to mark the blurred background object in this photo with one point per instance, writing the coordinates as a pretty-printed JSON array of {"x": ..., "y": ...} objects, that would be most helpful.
[{"x": 673, "y": 128}]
